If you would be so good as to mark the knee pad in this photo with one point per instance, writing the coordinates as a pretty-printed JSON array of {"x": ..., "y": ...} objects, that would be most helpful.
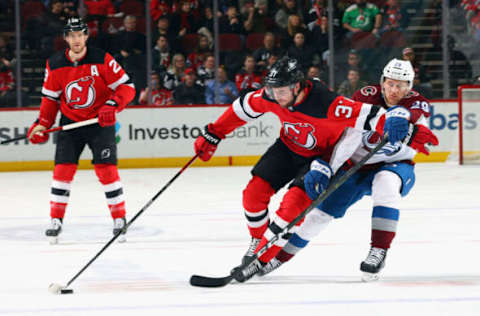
[
  {"x": 107, "y": 173},
  {"x": 386, "y": 188},
  {"x": 64, "y": 172},
  {"x": 257, "y": 194}
]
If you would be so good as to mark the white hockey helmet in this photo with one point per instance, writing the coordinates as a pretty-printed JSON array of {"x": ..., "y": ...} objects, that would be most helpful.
[{"x": 399, "y": 70}]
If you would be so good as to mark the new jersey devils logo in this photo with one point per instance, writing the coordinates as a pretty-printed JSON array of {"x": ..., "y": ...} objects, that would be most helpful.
[
  {"x": 301, "y": 134},
  {"x": 80, "y": 93}
]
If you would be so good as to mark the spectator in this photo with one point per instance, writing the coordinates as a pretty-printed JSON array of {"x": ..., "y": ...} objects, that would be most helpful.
[
  {"x": 294, "y": 26},
  {"x": 70, "y": 8},
  {"x": 7, "y": 83},
  {"x": 163, "y": 28},
  {"x": 232, "y": 22},
  {"x": 161, "y": 55},
  {"x": 98, "y": 11},
  {"x": 270, "y": 61},
  {"x": 189, "y": 92},
  {"x": 303, "y": 53},
  {"x": 160, "y": 8},
  {"x": 226, "y": 89},
  {"x": 314, "y": 72},
  {"x": 362, "y": 17},
  {"x": 258, "y": 18},
  {"x": 393, "y": 17},
  {"x": 316, "y": 12},
  {"x": 174, "y": 75},
  {"x": 207, "y": 70},
  {"x": 206, "y": 22},
  {"x": 248, "y": 78},
  {"x": 197, "y": 57},
  {"x": 160, "y": 96},
  {"x": 183, "y": 21},
  {"x": 352, "y": 84},
  {"x": 42, "y": 30},
  {"x": 421, "y": 77},
  {"x": 476, "y": 80},
  {"x": 129, "y": 51},
  {"x": 353, "y": 61},
  {"x": 287, "y": 8},
  {"x": 320, "y": 35},
  {"x": 459, "y": 66},
  {"x": 262, "y": 54}
]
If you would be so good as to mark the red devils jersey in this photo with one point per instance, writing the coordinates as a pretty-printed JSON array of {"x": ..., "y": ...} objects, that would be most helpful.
[
  {"x": 415, "y": 102},
  {"x": 79, "y": 89},
  {"x": 244, "y": 80},
  {"x": 310, "y": 127}
]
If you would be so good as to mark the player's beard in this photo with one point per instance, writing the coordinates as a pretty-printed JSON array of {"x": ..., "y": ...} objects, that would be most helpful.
[{"x": 78, "y": 49}]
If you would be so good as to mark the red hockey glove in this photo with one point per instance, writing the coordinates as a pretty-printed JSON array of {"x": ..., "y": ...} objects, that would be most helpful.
[
  {"x": 35, "y": 134},
  {"x": 419, "y": 137},
  {"x": 207, "y": 143},
  {"x": 106, "y": 114}
]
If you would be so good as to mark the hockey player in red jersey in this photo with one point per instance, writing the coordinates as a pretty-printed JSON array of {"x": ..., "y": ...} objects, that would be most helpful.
[
  {"x": 313, "y": 119},
  {"x": 82, "y": 83},
  {"x": 387, "y": 177}
]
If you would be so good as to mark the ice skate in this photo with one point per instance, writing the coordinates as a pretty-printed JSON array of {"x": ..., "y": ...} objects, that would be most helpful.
[
  {"x": 373, "y": 264},
  {"x": 119, "y": 226},
  {"x": 54, "y": 231},
  {"x": 269, "y": 267},
  {"x": 251, "y": 250},
  {"x": 242, "y": 273}
]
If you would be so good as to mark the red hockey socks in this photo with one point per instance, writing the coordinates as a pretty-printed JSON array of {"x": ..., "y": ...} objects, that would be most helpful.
[
  {"x": 108, "y": 175},
  {"x": 256, "y": 197},
  {"x": 60, "y": 192}
]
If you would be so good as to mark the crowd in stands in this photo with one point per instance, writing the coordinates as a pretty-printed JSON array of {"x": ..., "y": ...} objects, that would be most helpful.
[{"x": 253, "y": 34}]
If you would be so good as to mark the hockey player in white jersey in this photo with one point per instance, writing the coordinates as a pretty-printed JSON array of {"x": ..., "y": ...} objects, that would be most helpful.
[{"x": 387, "y": 177}]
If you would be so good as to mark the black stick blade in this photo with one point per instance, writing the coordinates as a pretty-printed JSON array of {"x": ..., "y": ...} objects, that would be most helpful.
[{"x": 203, "y": 281}]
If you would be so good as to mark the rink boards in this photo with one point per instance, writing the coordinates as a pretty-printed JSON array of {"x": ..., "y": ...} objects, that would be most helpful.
[{"x": 163, "y": 137}]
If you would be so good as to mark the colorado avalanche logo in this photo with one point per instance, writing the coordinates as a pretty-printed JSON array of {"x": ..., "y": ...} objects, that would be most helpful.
[
  {"x": 80, "y": 94},
  {"x": 372, "y": 139},
  {"x": 301, "y": 134}
]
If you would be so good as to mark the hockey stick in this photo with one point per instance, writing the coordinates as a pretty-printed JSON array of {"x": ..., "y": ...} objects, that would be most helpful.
[
  {"x": 59, "y": 289},
  {"x": 204, "y": 281},
  {"x": 56, "y": 129}
]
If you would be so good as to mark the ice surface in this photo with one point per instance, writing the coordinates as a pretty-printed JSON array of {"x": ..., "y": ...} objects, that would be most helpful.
[{"x": 197, "y": 227}]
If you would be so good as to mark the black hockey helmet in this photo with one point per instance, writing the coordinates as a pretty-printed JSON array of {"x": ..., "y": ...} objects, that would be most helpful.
[
  {"x": 284, "y": 72},
  {"x": 75, "y": 24}
]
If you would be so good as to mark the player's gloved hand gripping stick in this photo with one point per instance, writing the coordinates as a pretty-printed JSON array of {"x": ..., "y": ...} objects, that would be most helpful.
[
  {"x": 204, "y": 281},
  {"x": 56, "y": 129}
]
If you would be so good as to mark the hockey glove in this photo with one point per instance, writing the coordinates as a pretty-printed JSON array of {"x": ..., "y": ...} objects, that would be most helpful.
[
  {"x": 317, "y": 179},
  {"x": 35, "y": 134},
  {"x": 106, "y": 114},
  {"x": 419, "y": 137},
  {"x": 206, "y": 144},
  {"x": 396, "y": 123}
]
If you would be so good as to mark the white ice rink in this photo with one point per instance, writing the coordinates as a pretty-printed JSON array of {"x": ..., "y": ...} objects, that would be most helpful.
[{"x": 197, "y": 227}]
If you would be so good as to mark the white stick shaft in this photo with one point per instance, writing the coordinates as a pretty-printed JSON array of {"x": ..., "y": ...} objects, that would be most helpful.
[{"x": 79, "y": 124}]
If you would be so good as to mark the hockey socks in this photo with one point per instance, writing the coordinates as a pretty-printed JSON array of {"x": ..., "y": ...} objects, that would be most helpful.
[
  {"x": 384, "y": 226},
  {"x": 108, "y": 175},
  {"x": 60, "y": 191},
  {"x": 256, "y": 197}
]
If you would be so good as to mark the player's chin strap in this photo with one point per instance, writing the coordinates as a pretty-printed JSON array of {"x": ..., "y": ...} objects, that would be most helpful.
[{"x": 203, "y": 281}]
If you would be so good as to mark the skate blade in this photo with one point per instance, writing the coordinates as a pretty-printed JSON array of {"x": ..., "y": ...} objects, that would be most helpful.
[
  {"x": 370, "y": 277},
  {"x": 53, "y": 240}
]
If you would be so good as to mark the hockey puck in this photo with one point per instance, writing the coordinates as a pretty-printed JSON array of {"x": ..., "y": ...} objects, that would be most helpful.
[{"x": 66, "y": 291}]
